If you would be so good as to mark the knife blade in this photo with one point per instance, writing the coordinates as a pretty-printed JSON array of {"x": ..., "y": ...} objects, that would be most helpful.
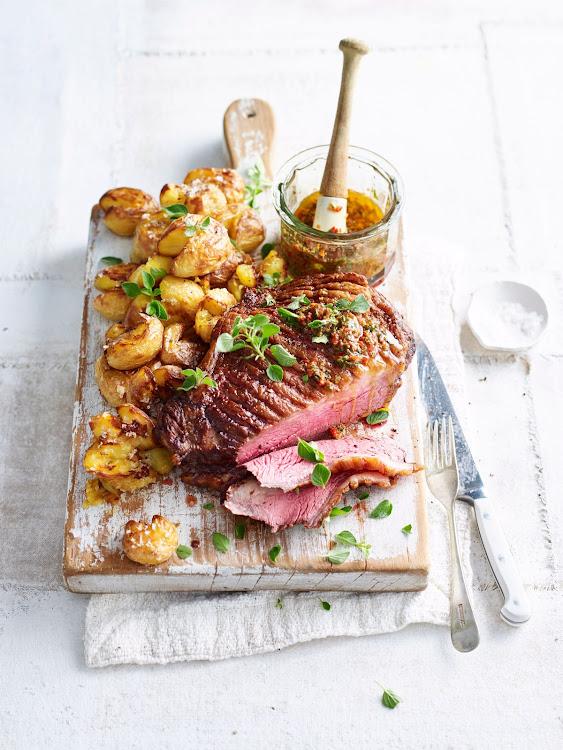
[{"x": 516, "y": 609}]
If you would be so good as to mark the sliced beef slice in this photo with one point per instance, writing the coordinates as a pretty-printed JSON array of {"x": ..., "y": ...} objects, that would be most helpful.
[
  {"x": 285, "y": 470},
  {"x": 281, "y": 509}
]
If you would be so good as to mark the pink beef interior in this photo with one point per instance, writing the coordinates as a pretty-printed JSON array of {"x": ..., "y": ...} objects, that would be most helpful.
[
  {"x": 284, "y": 469},
  {"x": 284, "y": 509},
  {"x": 368, "y": 393}
]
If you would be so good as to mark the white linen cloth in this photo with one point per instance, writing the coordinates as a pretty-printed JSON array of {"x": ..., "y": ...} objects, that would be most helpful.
[{"x": 170, "y": 627}]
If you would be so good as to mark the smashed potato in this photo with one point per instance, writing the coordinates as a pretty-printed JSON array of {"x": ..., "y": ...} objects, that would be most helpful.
[
  {"x": 113, "y": 304},
  {"x": 98, "y": 493},
  {"x": 218, "y": 301},
  {"x": 243, "y": 224},
  {"x": 201, "y": 253},
  {"x": 113, "y": 276},
  {"x": 181, "y": 347},
  {"x": 246, "y": 275},
  {"x": 199, "y": 198},
  {"x": 156, "y": 262},
  {"x": 150, "y": 543},
  {"x": 205, "y": 322},
  {"x": 112, "y": 383},
  {"x": 229, "y": 181},
  {"x": 147, "y": 234},
  {"x": 124, "y": 208},
  {"x": 180, "y": 297},
  {"x": 119, "y": 451},
  {"x": 129, "y": 348},
  {"x": 153, "y": 382}
]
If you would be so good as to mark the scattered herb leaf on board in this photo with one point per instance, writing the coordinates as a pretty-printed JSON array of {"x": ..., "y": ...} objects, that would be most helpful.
[
  {"x": 274, "y": 552},
  {"x": 240, "y": 530},
  {"x": 363, "y": 495},
  {"x": 279, "y": 604},
  {"x": 208, "y": 506},
  {"x": 338, "y": 555},
  {"x": 221, "y": 542},
  {"x": 325, "y": 605},
  {"x": 111, "y": 260},
  {"x": 340, "y": 511},
  {"x": 183, "y": 552},
  {"x": 382, "y": 510},
  {"x": 407, "y": 529}
]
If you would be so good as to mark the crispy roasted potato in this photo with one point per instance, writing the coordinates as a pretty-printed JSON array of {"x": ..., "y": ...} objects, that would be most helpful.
[
  {"x": 160, "y": 460},
  {"x": 167, "y": 379},
  {"x": 218, "y": 301},
  {"x": 202, "y": 252},
  {"x": 160, "y": 262},
  {"x": 129, "y": 348},
  {"x": 246, "y": 275},
  {"x": 136, "y": 310},
  {"x": 147, "y": 234},
  {"x": 235, "y": 287},
  {"x": 112, "y": 277},
  {"x": 243, "y": 224},
  {"x": 112, "y": 383},
  {"x": 199, "y": 198},
  {"x": 98, "y": 493},
  {"x": 205, "y": 323},
  {"x": 150, "y": 543},
  {"x": 124, "y": 208},
  {"x": 181, "y": 347},
  {"x": 273, "y": 263},
  {"x": 141, "y": 388},
  {"x": 180, "y": 297},
  {"x": 119, "y": 451},
  {"x": 113, "y": 305},
  {"x": 229, "y": 181}
]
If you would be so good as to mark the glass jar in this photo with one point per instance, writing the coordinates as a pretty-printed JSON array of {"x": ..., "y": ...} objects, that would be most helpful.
[{"x": 370, "y": 251}]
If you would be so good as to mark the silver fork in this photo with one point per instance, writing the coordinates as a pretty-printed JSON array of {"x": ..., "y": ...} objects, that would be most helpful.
[{"x": 443, "y": 481}]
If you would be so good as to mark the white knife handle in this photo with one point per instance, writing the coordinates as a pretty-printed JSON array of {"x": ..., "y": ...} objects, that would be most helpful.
[{"x": 516, "y": 610}]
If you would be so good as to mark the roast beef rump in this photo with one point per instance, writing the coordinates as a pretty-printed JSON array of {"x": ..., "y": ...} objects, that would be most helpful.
[
  {"x": 354, "y": 369},
  {"x": 281, "y": 510}
]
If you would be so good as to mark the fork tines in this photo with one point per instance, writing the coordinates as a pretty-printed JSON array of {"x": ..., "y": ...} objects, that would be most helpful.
[{"x": 440, "y": 446}]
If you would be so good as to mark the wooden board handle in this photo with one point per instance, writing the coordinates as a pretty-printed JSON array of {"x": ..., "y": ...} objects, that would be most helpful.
[
  {"x": 250, "y": 128},
  {"x": 335, "y": 177}
]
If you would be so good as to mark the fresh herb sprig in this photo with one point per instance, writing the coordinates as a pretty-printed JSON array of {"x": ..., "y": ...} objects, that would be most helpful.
[
  {"x": 111, "y": 260},
  {"x": 254, "y": 334},
  {"x": 257, "y": 181},
  {"x": 194, "y": 378},
  {"x": 275, "y": 279},
  {"x": 340, "y": 511},
  {"x": 347, "y": 538},
  {"x": 155, "y": 306},
  {"x": 200, "y": 226},
  {"x": 358, "y": 305}
]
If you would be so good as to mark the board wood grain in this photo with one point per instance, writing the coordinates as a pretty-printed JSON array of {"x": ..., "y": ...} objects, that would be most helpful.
[{"x": 93, "y": 558}]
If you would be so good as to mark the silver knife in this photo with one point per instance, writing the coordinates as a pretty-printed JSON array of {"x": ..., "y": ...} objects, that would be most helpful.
[{"x": 516, "y": 609}]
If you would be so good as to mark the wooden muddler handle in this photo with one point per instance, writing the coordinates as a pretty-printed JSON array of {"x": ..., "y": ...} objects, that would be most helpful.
[{"x": 335, "y": 177}]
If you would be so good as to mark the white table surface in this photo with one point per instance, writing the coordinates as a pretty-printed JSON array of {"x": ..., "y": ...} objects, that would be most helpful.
[{"x": 465, "y": 99}]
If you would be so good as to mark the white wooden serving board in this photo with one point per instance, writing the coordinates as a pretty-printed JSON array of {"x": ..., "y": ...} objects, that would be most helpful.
[{"x": 94, "y": 561}]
